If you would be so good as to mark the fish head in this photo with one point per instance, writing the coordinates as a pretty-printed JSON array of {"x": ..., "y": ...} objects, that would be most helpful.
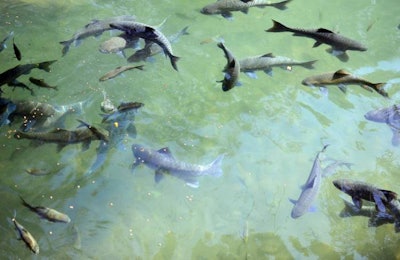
[
  {"x": 210, "y": 9},
  {"x": 343, "y": 185},
  {"x": 139, "y": 152}
]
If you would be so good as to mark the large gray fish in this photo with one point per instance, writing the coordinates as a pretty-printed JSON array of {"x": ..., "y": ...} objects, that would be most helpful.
[
  {"x": 226, "y": 7},
  {"x": 267, "y": 61},
  {"x": 3, "y": 42},
  {"x": 162, "y": 162},
  {"x": 7, "y": 107},
  {"x": 47, "y": 213},
  {"x": 343, "y": 78},
  {"x": 149, "y": 34},
  {"x": 94, "y": 28},
  {"x": 152, "y": 49},
  {"x": 232, "y": 70},
  {"x": 115, "y": 72},
  {"x": 338, "y": 42},
  {"x": 26, "y": 236},
  {"x": 391, "y": 117},
  {"x": 310, "y": 188}
]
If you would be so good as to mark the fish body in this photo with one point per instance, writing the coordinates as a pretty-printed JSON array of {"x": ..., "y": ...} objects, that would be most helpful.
[
  {"x": 41, "y": 83},
  {"x": 162, "y": 162},
  {"x": 389, "y": 116},
  {"x": 47, "y": 213},
  {"x": 226, "y": 7},
  {"x": 7, "y": 107},
  {"x": 17, "y": 52},
  {"x": 267, "y": 61},
  {"x": 232, "y": 69},
  {"x": 149, "y": 34},
  {"x": 3, "y": 42},
  {"x": 309, "y": 189},
  {"x": 26, "y": 236},
  {"x": 342, "y": 78},
  {"x": 394, "y": 208},
  {"x": 119, "y": 70},
  {"x": 94, "y": 28}
]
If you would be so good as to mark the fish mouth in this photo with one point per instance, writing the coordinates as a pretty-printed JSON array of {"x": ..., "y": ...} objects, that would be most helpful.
[
  {"x": 205, "y": 11},
  {"x": 306, "y": 83}
]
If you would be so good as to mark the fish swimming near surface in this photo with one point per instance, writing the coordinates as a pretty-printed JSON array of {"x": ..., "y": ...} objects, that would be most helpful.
[
  {"x": 391, "y": 117},
  {"x": 226, "y": 7},
  {"x": 343, "y": 78},
  {"x": 41, "y": 83},
  {"x": 115, "y": 72},
  {"x": 310, "y": 188},
  {"x": 162, "y": 161},
  {"x": 3, "y": 42},
  {"x": 149, "y": 34},
  {"x": 339, "y": 43},
  {"x": 232, "y": 70},
  {"x": 26, "y": 236},
  {"x": 94, "y": 28},
  {"x": 17, "y": 52},
  {"x": 7, "y": 107},
  {"x": 47, "y": 213},
  {"x": 267, "y": 61}
]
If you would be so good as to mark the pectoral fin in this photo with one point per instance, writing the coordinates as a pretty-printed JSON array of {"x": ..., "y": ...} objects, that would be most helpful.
[
  {"x": 316, "y": 44},
  {"x": 227, "y": 15},
  {"x": 159, "y": 175},
  {"x": 251, "y": 74},
  {"x": 379, "y": 203},
  {"x": 357, "y": 202}
]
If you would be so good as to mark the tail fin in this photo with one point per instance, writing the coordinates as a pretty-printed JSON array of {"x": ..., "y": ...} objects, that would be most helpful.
[
  {"x": 174, "y": 59},
  {"x": 378, "y": 87},
  {"x": 66, "y": 45},
  {"x": 26, "y": 204},
  {"x": 278, "y": 27},
  {"x": 214, "y": 168},
  {"x": 308, "y": 64},
  {"x": 46, "y": 65},
  {"x": 281, "y": 5}
]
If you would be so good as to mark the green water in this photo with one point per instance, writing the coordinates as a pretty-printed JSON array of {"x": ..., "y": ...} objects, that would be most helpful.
[{"x": 269, "y": 129}]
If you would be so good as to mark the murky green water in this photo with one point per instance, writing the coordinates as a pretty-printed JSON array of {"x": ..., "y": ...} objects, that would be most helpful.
[{"x": 269, "y": 129}]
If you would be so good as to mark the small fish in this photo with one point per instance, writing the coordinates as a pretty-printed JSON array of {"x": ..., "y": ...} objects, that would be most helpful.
[
  {"x": 339, "y": 43},
  {"x": 41, "y": 83},
  {"x": 162, "y": 161},
  {"x": 47, "y": 213},
  {"x": 391, "y": 117},
  {"x": 226, "y": 7},
  {"x": 3, "y": 42},
  {"x": 27, "y": 237},
  {"x": 119, "y": 70},
  {"x": 17, "y": 52},
  {"x": 232, "y": 70},
  {"x": 37, "y": 171},
  {"x": 7, "y": 107},
  {"x": 342, "y": 78}
]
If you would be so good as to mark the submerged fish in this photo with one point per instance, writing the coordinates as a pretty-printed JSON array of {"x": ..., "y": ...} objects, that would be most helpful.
[
  {"x": 47, "y": 213},
  {"x": 339, "y": 43},
  {"x": 7, "y": 107},
  {"x": 113, "y": 45},
  {"x": 149, "y": 34},
  {"x": 27, "y": 237},
  {"x": 163, "y": 162},
  {"x": 94, "y": 28},
  {"x": 37, "y": 171},
  {"x": 3, "y": 42},
  {"x": 232, "y": 70},
  {"x": 342, "y": 78},
  {"x": 115, "y": 72},
  {"x": 310, "y": 189},
  {"x": 226, "y": 7},
  {"x": 41, "y": 83},
  {"x": 17, "y": 52},
  {"x": 267, "y": 61}
]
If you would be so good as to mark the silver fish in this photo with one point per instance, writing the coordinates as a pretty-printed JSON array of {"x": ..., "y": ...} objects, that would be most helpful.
[
  {"x": 232, "y": 70},
  {"x": 26, "y": 236},
  {"x": 47, "y": 213},
  {"x": 115, "y": 72},
  {"x": 162, "y": 162}
]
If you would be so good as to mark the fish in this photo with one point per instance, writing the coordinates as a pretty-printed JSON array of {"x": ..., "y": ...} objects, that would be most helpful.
[
  {"x": 17, "y": 52},
  {"x": 359, "y": 191},
  {"x": 393, "y": 205},
  {"x": 149, "y": 34},
  {"x": 342, "y": 78},
  {"x": 232, "y": 70},
  {"x": 94, "y": 28},
  {"x": 41, "y": 83},
  {"x": 26, "y": 236},
  {"x": 115, "y": 72},
  {"x": 7, "y": 107},
  {"x": 162, "y": 161},
  {"x": 152, "y": 49},
  {"x": 37, "y": 171},
  {"x": 226, "y": 7},
  {"x": 339, "y": 43},
  {"x": 113, "y": 45},
  {"x": 3, "y": 42},
  {"x": 309, "y": 189},
  {"x": 47, "y": 213},
  {"x": 267, "y": 61},
  {"x": 391, "y": 117},
  {"x": 100, "y": 135}
]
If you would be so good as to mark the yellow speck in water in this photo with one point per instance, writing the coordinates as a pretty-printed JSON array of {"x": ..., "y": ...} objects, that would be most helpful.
[{"x": 116, "y": 124}]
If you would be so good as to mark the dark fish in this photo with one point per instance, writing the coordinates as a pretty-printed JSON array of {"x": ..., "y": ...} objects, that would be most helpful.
[
  {"x": 232, "y": 70},
  {"x": 226, "y": 7},
  {"x": 3, "y": 42},
  {"x": 27, "y": 237},
  {"x": 149, "y": 34},
  {"x": 17, "y": 52},
  {"x": 338, "y": 42},
  {"x": 310, "y": 188},
  {"x": 393, "y": 205},
  {"x": 267, "y": 61},
  {"x": 342, "y": 78},
  {"x": 47, "y": 213},
  {"x": 7, "y": 107},
  {"x": 41, "y": 83},
  {"x": 389, "y": 116},
  {"x": 100, "y": 135},
  {"x": 94, "y": 28},
  {"x": 115, "y": 72},
  {"x": 163, "y": 162}
]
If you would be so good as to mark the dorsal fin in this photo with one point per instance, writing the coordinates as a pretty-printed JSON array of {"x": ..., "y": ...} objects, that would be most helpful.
[
  {"x": 340, "y": 73},
  {"x": 323, "y": 30},
  {"x": 270, "y": 55},
  {"x": 165, "y": 151}
]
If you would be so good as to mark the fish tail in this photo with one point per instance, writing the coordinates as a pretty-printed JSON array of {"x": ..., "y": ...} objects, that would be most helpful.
[
  {"x": 281, "y": 5},
  {"x": 308, "y": 64},
  {"x": 26, "y": 204},
  {"x": 390, "y": 195},
  {"x": 278, "y": 27},
  {"x": 140, "y": 67},
  {"x": 214, "y": 168},
  {"x": 174, "y": 59},
  {"x": 66, "y": 45},
  {"x": 46, "y": 65},
  {"x": 378, "y": 87}
]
